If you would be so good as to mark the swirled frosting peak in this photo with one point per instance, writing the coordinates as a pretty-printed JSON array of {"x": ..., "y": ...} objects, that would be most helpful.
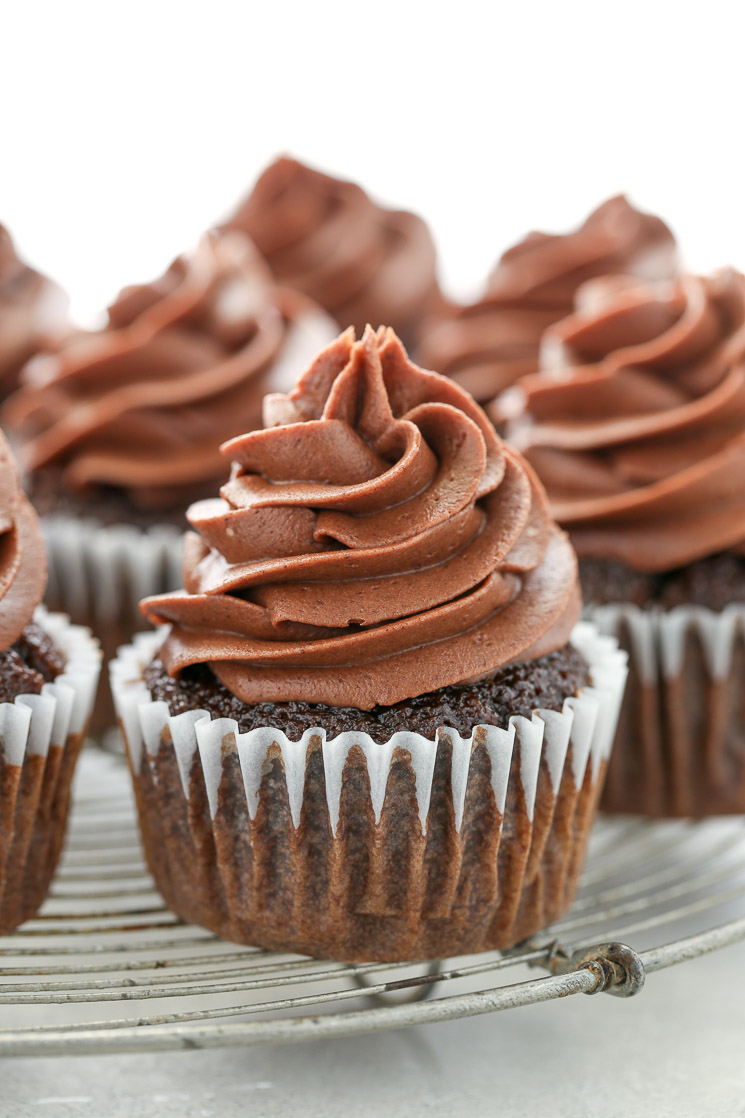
[
  {"x": 487, "y": 345},
  {"x": 636, "y": 426},
  {"x": 23, "y": 560},
  {"x": 327, "y": 238},
  {"x": 32, "y": 310},
  {"x": 183, "y": 364},
  {"x": 376, "y": 541}
]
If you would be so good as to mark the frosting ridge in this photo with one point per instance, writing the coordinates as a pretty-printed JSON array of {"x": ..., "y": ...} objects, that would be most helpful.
[
  {"x": 183, "y": 364},
  {"x": 327, "y": 238},
  {"x": 32, "y": 309},
  {"x": 376, "y": 540},
  {"x": 636, "y": 425},
  {"x": 487, "y": 345},
  {"x": 23, "y": 560}
]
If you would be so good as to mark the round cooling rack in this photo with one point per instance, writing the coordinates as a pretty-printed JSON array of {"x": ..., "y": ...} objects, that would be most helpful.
[{"x": 106, "y": 966}]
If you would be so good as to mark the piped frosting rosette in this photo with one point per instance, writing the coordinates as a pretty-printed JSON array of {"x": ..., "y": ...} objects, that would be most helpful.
[
  {"x": 637, "y": 429},
  {"x": 33, "y": 310},
  {"x": 376, "y": 540},
  {"x": 40, "y": 733},
  {"x": 128, "y": 421},
  {"x": 183, "y": 364},
  {"x": 327, "y": 238},
  {"x": 486, "y": 346},
  {"x": 636, "y": 426},
  {"x": 545, "y": 269},
  {"x": 23, "y": 561}
]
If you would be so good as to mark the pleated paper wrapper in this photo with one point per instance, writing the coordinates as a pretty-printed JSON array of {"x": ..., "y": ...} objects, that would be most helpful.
[
  {"x": 681, "y": 735},
  {"x": 98, "y": 575},
  {"x": 40, "y": 739},
  {"x": 352, "y": 849}
]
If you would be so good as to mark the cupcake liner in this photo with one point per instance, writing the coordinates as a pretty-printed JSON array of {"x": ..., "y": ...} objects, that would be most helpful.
[
  {"x": 102, "y": 571},
  {"x": 40, "y": 739},
  {"x": 681, "y": 734},
  {"x": 356, "y": 850},
  {"x": 99, "y": 573}
]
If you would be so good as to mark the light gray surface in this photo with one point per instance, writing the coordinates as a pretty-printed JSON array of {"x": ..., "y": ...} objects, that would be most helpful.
[{"x": 676, "y": 1050}]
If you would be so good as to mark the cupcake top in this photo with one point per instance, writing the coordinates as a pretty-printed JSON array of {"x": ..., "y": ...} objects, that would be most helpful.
[
  {"x": 487, "y": 345},
  {"x": 376, "y": 541},
  {"x": 142, "y": 405},
  {"x": 31, "y": 309},
  {"x": 23, "y": 560},
  {"x": 636, "y": 426},
  {"x": 327, "y": 238}
]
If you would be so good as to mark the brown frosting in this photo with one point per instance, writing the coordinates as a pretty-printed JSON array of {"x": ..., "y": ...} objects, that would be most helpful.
[
  {"x": 183, "y": 364},
  {"x": 488, "y": 345},
  {"x": 327, "y": 238},
  {"x": 23, "y": 559},
  {"x": 32, "y": 309},
  {"x": 636, "y": 426},
  {"x": 375, "y": 542}
]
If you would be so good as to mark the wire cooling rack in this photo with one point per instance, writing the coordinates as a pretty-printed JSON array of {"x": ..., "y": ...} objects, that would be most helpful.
[{"x": 106, "y": 967}]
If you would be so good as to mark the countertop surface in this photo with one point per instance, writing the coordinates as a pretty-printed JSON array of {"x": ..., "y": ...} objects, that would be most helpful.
[{"x": 677, "y": 1049}]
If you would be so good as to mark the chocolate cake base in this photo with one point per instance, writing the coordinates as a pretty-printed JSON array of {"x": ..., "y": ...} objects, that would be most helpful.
[
  {"x": 107, "y": 504},
  {"x": 481, "y": 869},
  {"x": 28, "y": 664},
  {"x": 104, "y": 556},
  {"x": 34, "y": 795},
  {"x": 714, "y": 582},
  {"x": 680, "y": 746},
  {"x": 517, "y": 689}
]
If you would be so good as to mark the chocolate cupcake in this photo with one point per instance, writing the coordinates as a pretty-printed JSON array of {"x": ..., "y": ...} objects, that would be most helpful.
[
  {"x": 486, "y": 346},
  {"x": 48, "y": 675},
  {"x": 373, "y": 729},
  {"x": 32, "y": 312},
  {"x": 118, "y": 430},
  {"x": 636, "y": 426},
  {"x": 328, "y": 239}
]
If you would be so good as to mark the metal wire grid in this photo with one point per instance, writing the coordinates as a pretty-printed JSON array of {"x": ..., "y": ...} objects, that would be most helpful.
[{"x": 105, "y": 966}]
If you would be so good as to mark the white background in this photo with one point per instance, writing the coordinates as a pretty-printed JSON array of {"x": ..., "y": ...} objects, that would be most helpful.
[{"x": 126, "y": 129}]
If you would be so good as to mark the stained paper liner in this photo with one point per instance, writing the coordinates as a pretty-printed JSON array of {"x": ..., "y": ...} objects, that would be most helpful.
[
  {"x": 680, "y": 749},
  {"x": 40, "y": 739},
  {"x": 350, "y": 849}
]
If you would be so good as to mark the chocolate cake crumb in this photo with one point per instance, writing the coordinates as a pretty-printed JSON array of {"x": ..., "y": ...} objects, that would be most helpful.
[
  {"x": 604, "y": 580},
  {"x": 714, "y": 582},
  {"x": 28, "y": 664},
  {"x": 107, "y": 504},
  {"x": 517, "y": 689}
]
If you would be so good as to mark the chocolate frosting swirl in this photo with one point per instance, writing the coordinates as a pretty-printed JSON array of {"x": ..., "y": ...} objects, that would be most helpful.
[
  {"x": 375, "y": 542},
  {"x": 32, "y": 310},
  {"x": 327, "y": 238},
  {"x": 637, "y": 424},
  {"x": 183, "y": 364},
  {"x": 23, "y": 559},
  {"x": 488, "y": 345}
]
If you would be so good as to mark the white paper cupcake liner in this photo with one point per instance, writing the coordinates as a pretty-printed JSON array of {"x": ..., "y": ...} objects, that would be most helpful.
[
  {"x": 98, "y": 575},
  {"x": 40, "y": 738},
  {"x": 355, "y": 849},
  {"x": 102, "y": 572},
  {"x": 681, "y": 735}
]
